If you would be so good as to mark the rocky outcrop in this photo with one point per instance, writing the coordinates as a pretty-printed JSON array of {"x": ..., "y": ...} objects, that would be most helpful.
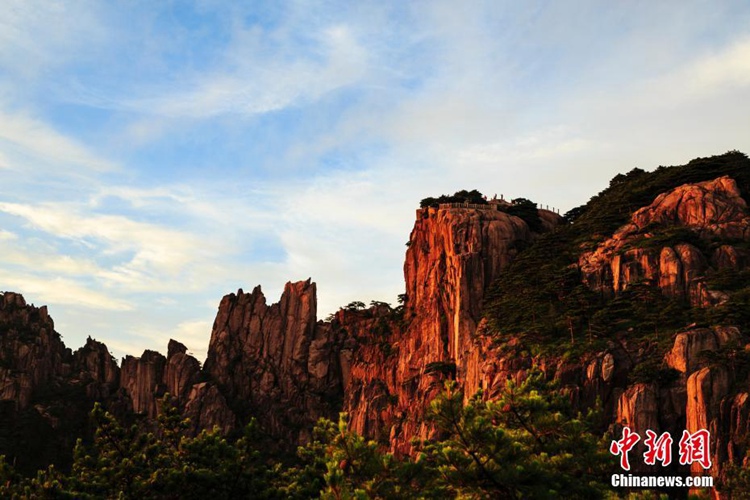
[
  {"x": 453, "y": 255},
  {"x": 43, "y": 388},
  {"x": 96, "y": 368},
  {"x": 384, "y": 365},
  {"x": 706, "y": 389},
  {"x": 712, "y": 208},
  {"x": 206, "y": 408},
  {"x": 274, "y": 361},
  {"x": 688, "y": 346},
  {"x": 31, "y": 352},
  {"x": 638, "y": 408},
  {"x": 702, "y": 211},
  {"x": 143, "y": 380},
  {"x": 182, "y": 371}
]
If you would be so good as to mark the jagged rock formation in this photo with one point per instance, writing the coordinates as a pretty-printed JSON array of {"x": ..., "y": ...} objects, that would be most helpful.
[
  {"x": 181, "y": 372},
  {"x": 31, "y": 352},
  {"x": 207, "y": 408},
  {"x": 95, "y": 368},
  {"x": 143, "y": 380},
  {"x": 710, "y": 210},
  {"x": 46, "y": 391},
  {"x": 453, "y": 257},
  {"x": 39, "y": 414},
  {"x": 275, "y": 362}
]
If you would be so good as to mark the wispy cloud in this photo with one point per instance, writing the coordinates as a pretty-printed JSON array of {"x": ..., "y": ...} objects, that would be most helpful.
[
  {"x": 56, "y": 290},
  {"x": 34, "y": 144},
  {"x": 270, "y": 86},
  {"x": 70, "y": 30},
  {"x": 722, "y": 70},
  {"x": 154, "y": 246}
]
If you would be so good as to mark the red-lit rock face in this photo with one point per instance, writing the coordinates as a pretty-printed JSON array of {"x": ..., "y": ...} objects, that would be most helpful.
[
  {"x": 275, "y": 362},
  {"x": 453, "y": 256},
  {"x": 711, "y": 209}
]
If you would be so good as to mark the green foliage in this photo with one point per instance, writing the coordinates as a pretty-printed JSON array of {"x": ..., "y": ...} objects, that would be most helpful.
[
  {"x": 668, "y": 236},
  {"x": 380, "y": 303},
  {"x": 527, "y": 444},
  {"x": 736, "y": 311},
  {"x": 609, "y": 209},
  {"x": 653, "y": 370},
  {"x": 8, "y": 479},
  {"x": 525, "y": 210},
  {"x": 540, "y": 296},
  {"x": 733, "y": 357},
  {"x": 736, "y": 483},
  {"x": 463, "y": 196},
  {"x": 355, "y": 468},
  {"x": 729, "y": 280},
  {"x": 128, "y": 462}
]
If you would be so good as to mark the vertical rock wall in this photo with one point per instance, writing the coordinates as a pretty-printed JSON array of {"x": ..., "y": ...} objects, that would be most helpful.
[{"x": 275, "y": 362}]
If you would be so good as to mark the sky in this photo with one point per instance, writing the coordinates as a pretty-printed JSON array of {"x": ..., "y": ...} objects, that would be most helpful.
[{"x": 155, "y": 156}]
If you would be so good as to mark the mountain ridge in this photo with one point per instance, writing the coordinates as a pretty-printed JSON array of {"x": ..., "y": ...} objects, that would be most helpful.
[{"x": 619, "y": 301}]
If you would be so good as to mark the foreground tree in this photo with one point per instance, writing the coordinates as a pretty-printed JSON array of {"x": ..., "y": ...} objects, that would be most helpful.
[
  {"x": 128, "y": 462},
  {"x": 527, "y": 444},
  {"x": 344, "y": 466}
]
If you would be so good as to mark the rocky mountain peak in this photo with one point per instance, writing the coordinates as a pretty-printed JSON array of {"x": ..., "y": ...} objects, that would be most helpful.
[{"x": 274, "y": 361}]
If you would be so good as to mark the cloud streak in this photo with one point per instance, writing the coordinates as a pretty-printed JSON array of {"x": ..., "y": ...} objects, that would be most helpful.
[{"x": 26, "y": 137}]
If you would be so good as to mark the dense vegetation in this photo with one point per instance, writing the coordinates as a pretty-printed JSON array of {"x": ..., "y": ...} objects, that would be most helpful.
[
  {"x": 463, "y": 196},
  {"x": 520, "y": 207},
  {"x": 527, "y": 444},
  {"x": 526, "y": 210},
  {"x": 541, "y": 298}
]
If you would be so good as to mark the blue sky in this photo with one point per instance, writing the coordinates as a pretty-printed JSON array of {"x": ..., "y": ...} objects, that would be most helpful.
[{"x": 155, "y": 156}]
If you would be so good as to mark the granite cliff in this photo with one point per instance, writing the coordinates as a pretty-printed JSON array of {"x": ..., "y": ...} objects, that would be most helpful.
[
  {"x": 453, "y": 255},
  {"x": 677, "y": 237},
  {"x": 705, "y": 211},
  {"x": 276, "y": 362}
]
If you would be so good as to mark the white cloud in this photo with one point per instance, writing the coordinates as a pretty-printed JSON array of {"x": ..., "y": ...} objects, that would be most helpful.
[
  {"x": 62, "y": 291},
  {"x": 36, "y": 35},
  {"x": 253, "y": 80},
  {"x": 149, "y": 256},
  {"x": 7, "y": 235},
  {"x": 511, "y": 99},
  {"x": 29, "y": 257},
  {"x": 723, "y": 70},
  {"x": 22, "y": 136}
]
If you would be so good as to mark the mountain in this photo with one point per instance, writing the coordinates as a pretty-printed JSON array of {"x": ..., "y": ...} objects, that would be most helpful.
[{"x": 638, "y": 301}]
